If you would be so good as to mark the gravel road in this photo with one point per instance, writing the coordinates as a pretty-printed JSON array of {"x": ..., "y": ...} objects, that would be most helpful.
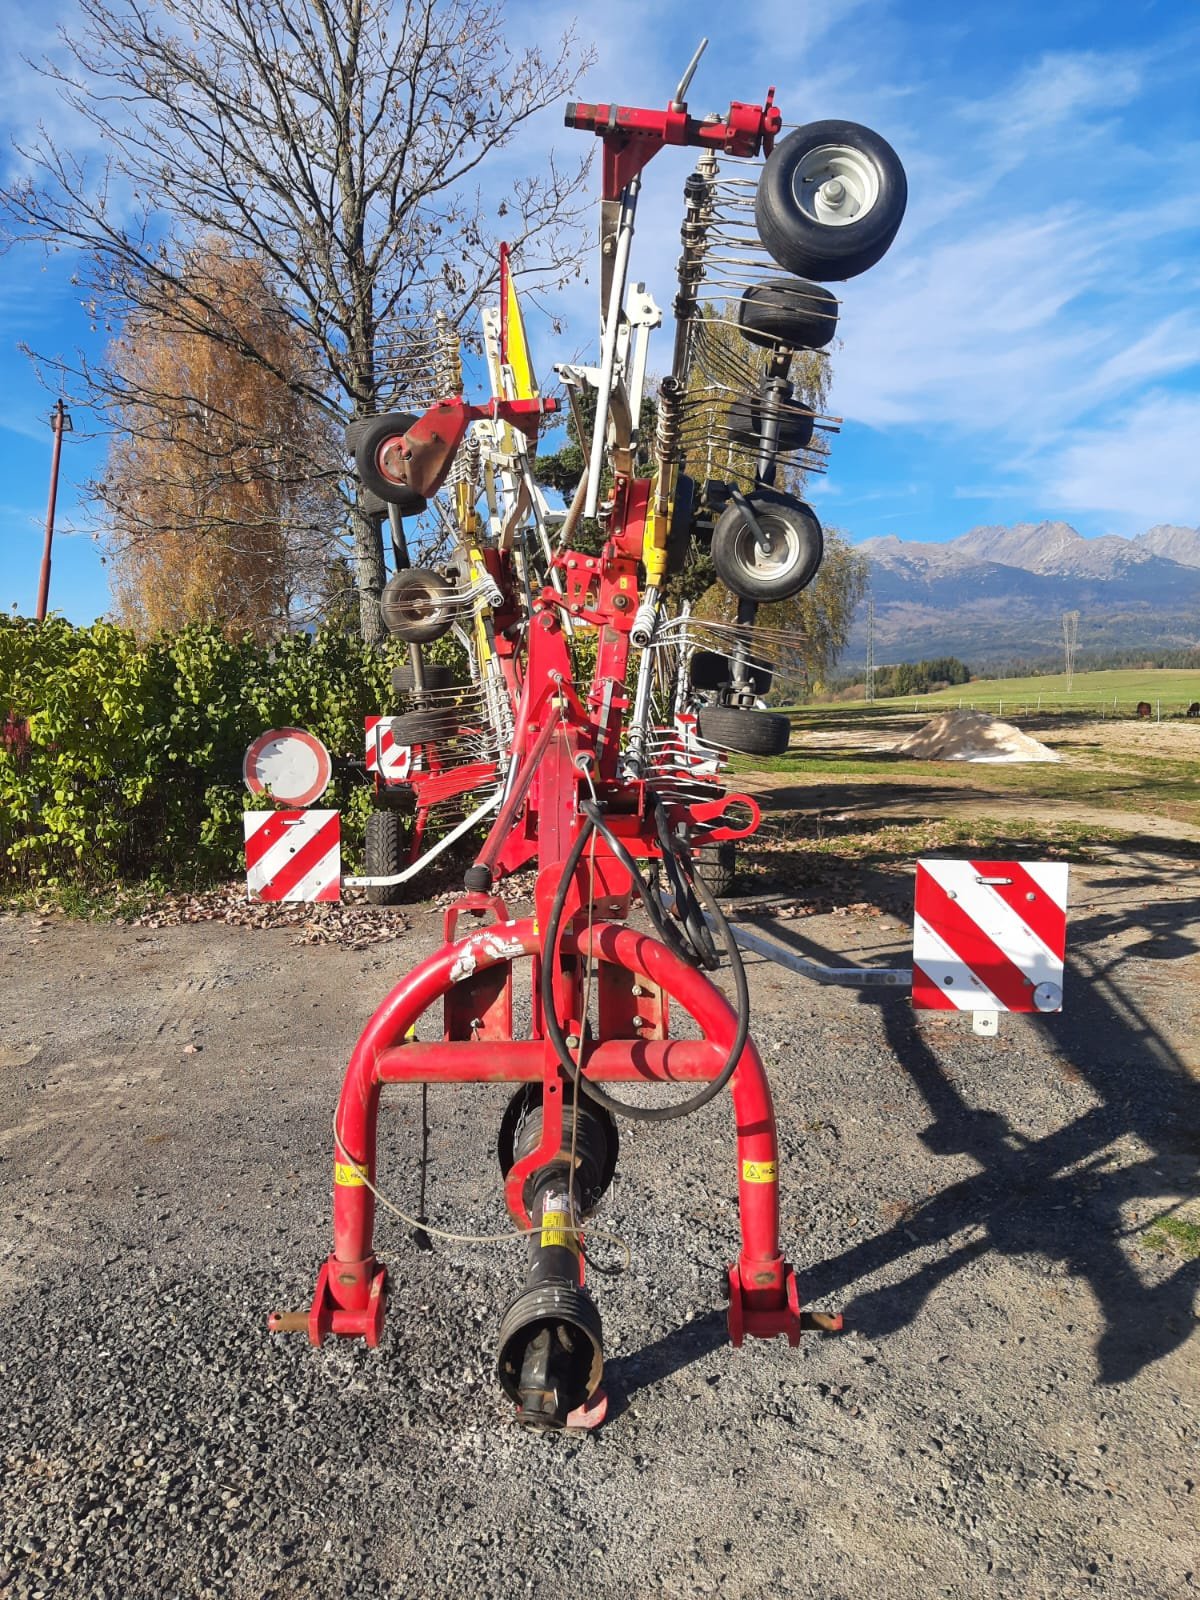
[{"x": 1012, "y": 1411}]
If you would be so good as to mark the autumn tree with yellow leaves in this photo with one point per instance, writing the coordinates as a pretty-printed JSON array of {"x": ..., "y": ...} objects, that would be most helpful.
[{"x": 220, "y": 488}]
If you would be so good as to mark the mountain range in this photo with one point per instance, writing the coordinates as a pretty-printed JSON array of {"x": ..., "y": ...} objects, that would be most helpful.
[{"x": 1000, "y": 592}]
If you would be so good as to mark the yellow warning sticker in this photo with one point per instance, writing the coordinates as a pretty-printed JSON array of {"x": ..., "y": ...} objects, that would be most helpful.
[
  {"x": 759, "y": 1171},
  {"x": 347, "y": 1176},
  {"x": 557, "y": 1230},
  {"x": 557, "y": 1236}
]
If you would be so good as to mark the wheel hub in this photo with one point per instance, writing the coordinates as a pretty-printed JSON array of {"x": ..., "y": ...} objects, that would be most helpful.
[{"x": 836, "y": 185}]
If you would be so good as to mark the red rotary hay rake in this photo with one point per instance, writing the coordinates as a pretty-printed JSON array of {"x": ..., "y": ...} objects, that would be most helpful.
[{"x": 589, "y": 793}]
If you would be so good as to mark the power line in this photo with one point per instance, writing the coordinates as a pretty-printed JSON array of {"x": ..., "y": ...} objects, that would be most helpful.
[{"x": 1070, "y": 625}]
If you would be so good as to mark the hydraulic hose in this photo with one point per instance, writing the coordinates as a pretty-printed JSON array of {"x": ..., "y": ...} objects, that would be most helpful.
[
  {"x": 593, "y": 823},
  {"x": 677, "y": 863}
]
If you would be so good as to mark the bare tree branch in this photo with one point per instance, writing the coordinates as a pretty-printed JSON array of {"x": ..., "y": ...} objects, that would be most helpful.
[{"x": 337, "y": 141}]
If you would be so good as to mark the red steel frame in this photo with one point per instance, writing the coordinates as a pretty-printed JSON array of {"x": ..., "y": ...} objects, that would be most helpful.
[
  {"x": 566, "y": 747},
  {"x": 473, "y": 977},
  {"x": 431, "y": 783}
]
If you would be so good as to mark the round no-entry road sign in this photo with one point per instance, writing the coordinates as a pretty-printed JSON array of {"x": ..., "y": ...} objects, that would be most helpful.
[{"x": 292, "y": 766}]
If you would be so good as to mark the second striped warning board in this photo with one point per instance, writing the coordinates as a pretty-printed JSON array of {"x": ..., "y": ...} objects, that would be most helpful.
[
  {"x": 385, "y": 758},
  {"x": 989, "y": 935},
  {"x": 293, "y": 855}
]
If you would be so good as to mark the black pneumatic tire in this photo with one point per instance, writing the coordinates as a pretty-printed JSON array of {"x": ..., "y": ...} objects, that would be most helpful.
[
  {"x": 416, "y": 605},
  {"x": 789, "y": 311},
  {"x": 750, "y": 733},
  {"x": 795, "y": 223},
  {"x": 679, "y": 536},
  {"x": 364, "y": 437},
  {"x": 426, "y": 727},
  {"x": 709, "y": 670},
  {"x": 780, "y": 572},
  {"x": 717, "y": 865},
  {"x": 436, "y": 677},
  {"x": 745, "y": 423},
  {"x": 384, "y": 855}
]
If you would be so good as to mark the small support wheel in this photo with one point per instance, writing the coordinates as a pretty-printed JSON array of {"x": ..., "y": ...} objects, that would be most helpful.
[
  {"x": 416, "y": 605},
  {"x": 750, "y": 733},
  {"x": 717, "y": 865},
  {"x": 779, "y": 565},
  {"x": 788, "y": 311},
  {"x": 708, "y": 670},
  {"x": 830, "y": 200},
  {"x": 436, "y": 677},
  {"x": 384, "y": 856},
  {"x": 746, "y": 417},
  {"x": 364, "y": 437},
  {"x": 426, "y": 727},
  {"x": 679, "y": 536}
]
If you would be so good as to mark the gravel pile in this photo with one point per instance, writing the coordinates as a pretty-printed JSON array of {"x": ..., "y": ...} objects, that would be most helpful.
[{"x": 972, "y": 736}]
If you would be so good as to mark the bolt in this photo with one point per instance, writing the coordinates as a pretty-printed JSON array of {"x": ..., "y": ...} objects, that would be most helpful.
[
  {"x": 640, "y": 1022},
  {"x": 476, "y": 1024},
  {"x": 572, "y": 1041},
  {"x": 621, "y": 602},
  {"x": 574, "y": 563},
  {"x": 1031, "y": 896},
  {"x": 637, "y": 991}
]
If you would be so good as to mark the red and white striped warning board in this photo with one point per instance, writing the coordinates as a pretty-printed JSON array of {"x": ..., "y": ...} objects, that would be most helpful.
[
  {"x": 989, "y": 935},
  {"x": 293, "y": 855},
  {"x": 390, "y": 760}
]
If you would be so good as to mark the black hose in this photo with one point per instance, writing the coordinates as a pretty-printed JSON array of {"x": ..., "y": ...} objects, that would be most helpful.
[
  {"x": 593, "y": 822},
  {"x": 678, "y": 863}
]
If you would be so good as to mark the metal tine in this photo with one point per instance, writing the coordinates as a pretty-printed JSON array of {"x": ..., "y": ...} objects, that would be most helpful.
[{"x": 719, "y": 291}]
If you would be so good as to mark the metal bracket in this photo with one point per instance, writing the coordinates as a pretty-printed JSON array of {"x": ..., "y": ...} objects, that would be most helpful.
[
  {"x": 844, "y": 977},
  {"x": 444, "y": 843},
  {"x": 747, "y": 510}
]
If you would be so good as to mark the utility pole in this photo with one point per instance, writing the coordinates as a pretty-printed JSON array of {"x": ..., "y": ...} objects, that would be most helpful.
[
  {"x": 1070, "y": 623},
  {"x": 60, "y": 422},
  {"x": 870, "y": 677}
]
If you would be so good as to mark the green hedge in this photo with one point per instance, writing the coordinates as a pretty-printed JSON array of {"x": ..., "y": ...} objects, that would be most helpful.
[{"x": 133, "y": 764}]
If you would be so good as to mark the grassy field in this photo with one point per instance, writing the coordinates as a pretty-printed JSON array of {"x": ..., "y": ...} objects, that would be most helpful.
[
  {"x": 1091, "y": 693},
  {"x": 843, "y": 755}
]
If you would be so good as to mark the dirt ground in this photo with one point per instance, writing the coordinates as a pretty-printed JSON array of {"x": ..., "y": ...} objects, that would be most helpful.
[
  {"x": 967, "y": 789},
  {"x": 1011, "y": 1411}
]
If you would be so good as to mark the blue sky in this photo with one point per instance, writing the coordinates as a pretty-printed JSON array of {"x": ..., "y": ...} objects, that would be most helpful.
[{"x": 1030, "y": 347}]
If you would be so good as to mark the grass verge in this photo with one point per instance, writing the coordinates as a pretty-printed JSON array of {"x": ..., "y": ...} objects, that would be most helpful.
[{"x": 1175, "y": 1236}]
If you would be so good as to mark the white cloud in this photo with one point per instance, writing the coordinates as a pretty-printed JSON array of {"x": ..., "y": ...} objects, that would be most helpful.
[
  {"x": 1061, "y": 89},
  {"x": 1142, "y": 467}
]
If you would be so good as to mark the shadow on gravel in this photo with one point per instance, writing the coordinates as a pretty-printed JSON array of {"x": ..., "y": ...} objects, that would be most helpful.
[
  {"x": 627, "y": 1375},
  {"x": 1056, "y": 1197}
]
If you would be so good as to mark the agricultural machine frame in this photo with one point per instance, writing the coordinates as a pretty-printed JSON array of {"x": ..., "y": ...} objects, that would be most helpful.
[{"x": 578, "y": 797}]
